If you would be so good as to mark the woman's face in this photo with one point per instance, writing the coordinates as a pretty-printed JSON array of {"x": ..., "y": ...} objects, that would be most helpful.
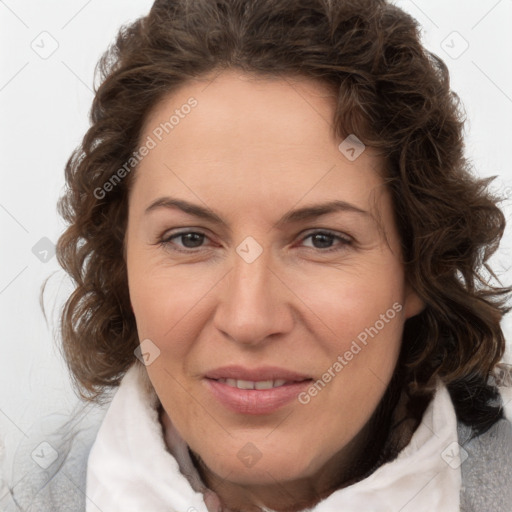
[{"x": 254, "y": 279}]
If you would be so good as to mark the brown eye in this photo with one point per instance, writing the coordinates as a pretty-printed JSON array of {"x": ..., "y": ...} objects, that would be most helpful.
[
  {"x": 189, "y": 240},
  {"x": 323, "y": 240}
]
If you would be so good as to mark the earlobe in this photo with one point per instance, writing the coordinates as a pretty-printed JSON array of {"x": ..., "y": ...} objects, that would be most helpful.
[{"x": 414, "y": 305}]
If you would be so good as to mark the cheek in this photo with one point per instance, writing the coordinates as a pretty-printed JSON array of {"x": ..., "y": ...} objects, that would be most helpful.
[
  {"x": 348, "y": 304},
  {"x": 166, "y": 298},
  {"x": 178, "y": 399},
  {"x": 359, "y": 319}
]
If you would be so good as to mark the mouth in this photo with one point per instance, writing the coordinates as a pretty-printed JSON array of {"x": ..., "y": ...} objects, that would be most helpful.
[
  {"x": 250, "y": 384},
  {"x": 257, "y": 391}
]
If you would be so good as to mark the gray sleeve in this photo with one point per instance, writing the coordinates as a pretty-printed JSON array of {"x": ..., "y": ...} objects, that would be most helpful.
[
  {"x": 487, "y": 471},
  {"x": 49, "y": 471}
]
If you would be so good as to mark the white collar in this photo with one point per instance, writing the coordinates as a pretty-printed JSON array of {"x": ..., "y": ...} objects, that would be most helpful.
[{"x": 130, "y": 468}]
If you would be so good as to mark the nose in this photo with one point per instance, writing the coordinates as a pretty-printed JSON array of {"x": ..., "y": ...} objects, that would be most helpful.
[{"x": 255, "y": 304}]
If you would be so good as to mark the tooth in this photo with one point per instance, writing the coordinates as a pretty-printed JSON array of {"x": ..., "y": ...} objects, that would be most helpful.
[
  {"x": 244, "y": 384},
  {"x": 249, "y": 384},
  {"x": 264, "y": 384}
]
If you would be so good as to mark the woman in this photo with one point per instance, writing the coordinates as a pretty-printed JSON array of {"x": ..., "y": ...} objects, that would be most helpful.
[{"x": 280, "y": 256}]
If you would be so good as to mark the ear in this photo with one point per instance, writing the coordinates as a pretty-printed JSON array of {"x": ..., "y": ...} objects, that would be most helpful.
[{"x": 413, "y": 304}]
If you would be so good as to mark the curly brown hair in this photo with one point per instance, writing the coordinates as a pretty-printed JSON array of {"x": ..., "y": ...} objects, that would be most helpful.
[{"x": 391, "y": 92}]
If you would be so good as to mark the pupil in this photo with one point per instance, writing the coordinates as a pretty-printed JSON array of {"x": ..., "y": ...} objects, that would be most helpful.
[
  {"x": 327, "y": 239},
  {"x": 189, "y": 238}
]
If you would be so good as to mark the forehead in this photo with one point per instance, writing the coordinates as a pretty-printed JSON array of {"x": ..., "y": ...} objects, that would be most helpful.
[
  {"x": 232, "y": 131},
  {"x": 232, "y": 93}
]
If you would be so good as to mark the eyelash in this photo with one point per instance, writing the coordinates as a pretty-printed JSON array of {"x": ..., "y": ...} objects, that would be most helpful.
[{"x": 345, "y": 241}]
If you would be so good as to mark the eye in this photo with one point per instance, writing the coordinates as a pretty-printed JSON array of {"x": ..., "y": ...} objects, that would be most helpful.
[
  {"x": 322, "y": 241},
  {"x": 189, "y": 240}
]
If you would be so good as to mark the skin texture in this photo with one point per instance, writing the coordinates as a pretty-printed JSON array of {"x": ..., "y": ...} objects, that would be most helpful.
[{"x": 251, "y": 151}]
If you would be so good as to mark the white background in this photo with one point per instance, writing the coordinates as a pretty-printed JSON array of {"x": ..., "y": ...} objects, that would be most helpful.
[{"x": 44, "y": 106}]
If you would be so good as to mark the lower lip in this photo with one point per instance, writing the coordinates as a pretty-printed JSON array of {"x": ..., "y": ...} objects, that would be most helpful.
[{"x": 255, "y": 401}]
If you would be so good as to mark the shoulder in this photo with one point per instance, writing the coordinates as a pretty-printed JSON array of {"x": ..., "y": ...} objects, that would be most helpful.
[
  {"x": 49, "y": 472},
  {"x": 486, "y": 468}
]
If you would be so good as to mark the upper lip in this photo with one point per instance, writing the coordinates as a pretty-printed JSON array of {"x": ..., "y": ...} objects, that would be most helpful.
[{"x": 255, "y": 374}]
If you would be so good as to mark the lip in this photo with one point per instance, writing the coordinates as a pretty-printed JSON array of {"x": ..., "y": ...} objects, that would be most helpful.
[
  {"x": 255, "y": 401},
  {"x": 255, "y": 374}
]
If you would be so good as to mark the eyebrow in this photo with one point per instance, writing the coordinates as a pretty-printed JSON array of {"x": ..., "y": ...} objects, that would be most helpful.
[{"x": 300, "y": 214}]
